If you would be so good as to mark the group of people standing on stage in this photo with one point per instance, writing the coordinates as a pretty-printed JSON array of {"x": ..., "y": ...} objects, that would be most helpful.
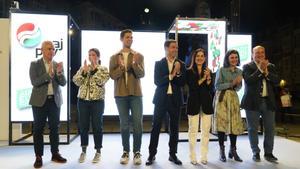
[{"x": 213, "y": 100}]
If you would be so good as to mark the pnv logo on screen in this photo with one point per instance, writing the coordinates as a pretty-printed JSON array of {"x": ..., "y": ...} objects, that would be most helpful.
[
  {"x": 58, "y": 45},
  {"x": 29, "y": 35}
]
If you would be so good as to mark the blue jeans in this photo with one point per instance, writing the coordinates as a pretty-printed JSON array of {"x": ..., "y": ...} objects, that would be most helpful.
[
  {"x": 268, "y": 118},
  {"x": 135, "y": 105},
  {"x": 90, "y": 111}
]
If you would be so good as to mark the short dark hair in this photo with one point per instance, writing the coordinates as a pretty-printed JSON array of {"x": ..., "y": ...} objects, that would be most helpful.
[
  {"x": 168, "y": 42},
  {"x": 123, "y": 32},
  {"x": 226, "y": 58}
]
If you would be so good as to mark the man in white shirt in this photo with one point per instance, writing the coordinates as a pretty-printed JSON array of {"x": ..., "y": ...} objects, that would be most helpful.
[
  {"x": 126, "y": 68},
  {"x": 169, "y": 77},
  {"x": 46, "y": 76},
  {"x": 261, "y": 79}
]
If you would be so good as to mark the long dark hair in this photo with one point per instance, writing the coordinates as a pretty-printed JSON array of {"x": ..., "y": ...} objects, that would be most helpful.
[
  {"x": 97, "y": 53},
  {"x": 193, "y": 65},
  {"x": 226, "y": 58}
]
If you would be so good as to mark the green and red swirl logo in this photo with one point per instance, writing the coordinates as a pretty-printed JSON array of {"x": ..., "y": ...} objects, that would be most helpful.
[{"x": 29, "y": 35}]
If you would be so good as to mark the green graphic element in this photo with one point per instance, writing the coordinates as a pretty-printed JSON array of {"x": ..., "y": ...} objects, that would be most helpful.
[
  {"x": 243, "y": 51},
  {"x": 33, "y": 41},
  {"x": 214, "y": 35},
  {"x": 23, "y": 96}
]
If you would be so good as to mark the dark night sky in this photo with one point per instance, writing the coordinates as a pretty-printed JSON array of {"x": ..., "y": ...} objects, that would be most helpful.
[
  {"x": 161, "y": 15},
  {"x": 256, "y": 15}
]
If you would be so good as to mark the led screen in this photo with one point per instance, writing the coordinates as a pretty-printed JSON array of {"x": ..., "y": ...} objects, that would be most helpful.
[
  {"x": 243, "y": 44},
  {"x": 28, "y": 31},
  {"x": 149, "y": 44}
]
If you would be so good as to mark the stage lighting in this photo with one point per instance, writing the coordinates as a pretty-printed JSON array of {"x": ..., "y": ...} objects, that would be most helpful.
[
  {"x": 71, "y": 32},
  {"x": 282, "y": 83},
  {"x": 146, "y": 10}
]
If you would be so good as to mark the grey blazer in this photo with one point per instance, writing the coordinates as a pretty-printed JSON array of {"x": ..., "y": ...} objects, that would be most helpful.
[{"x": 39, "y": 79}]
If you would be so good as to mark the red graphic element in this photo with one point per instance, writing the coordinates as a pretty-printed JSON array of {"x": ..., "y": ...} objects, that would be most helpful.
[
  {"x": 25, "y": 27},
  {"x": 193, "y": 25}
]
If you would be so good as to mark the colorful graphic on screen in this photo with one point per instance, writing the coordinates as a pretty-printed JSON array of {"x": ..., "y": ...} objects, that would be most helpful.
[
  {"x": 243, "y": 44},
  {"x": 28, "y": 31},
  {"x": 29, "y": 35},
  {"x": 216, "y": 34}
]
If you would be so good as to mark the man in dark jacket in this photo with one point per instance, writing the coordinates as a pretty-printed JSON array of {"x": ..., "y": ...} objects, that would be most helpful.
[
  {"x": 261, "y": 79},
  {"x": 169, "y": 77}
]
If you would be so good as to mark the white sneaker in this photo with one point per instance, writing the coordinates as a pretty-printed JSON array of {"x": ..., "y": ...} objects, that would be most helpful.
[
  {"x": 124, "y": 158},
  {"x": 194, "y": 162},
  {"x": 82, "y": 157},
  {"x": 204, "y": 162},
  {"x": 96, "y": 158},
  {"x": 137, "y": 158}
]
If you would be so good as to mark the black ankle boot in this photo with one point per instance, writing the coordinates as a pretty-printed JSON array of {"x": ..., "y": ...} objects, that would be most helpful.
[
  {"x": 233, "y": 154},
  {"x": 222, "y": 154}
]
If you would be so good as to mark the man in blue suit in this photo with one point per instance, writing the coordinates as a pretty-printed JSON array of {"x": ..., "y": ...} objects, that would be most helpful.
[
  {"x": 46, "y": 77},
  {"x": 261, "y": 80},
  {"x": 169, "y": 77}
]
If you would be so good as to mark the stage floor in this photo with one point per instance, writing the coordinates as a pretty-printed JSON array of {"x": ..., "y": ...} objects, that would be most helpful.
[{"x": 22, "y": 157}]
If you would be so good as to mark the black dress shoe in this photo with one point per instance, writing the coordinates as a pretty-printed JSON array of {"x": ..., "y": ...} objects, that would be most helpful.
[
  {"x": 270, "y": 157},
  {"x": 256, "y": 157},
  {"x": 38, "y": 162},
  {"x": 233, "y": 154},
  {"x": 150, "y": 160},
  {"x": 175, "y": 160},
  {"x": 58, "y": 158}
]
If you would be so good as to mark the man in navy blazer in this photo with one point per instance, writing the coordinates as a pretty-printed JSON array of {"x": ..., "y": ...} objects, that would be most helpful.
[
  {"x": 169, "y": 77},
  {"x": 46, "y": 77},
  {"x": 261, "y": 80}
]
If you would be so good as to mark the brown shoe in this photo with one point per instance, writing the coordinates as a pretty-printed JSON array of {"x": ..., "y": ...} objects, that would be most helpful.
[
  {"x": 38, "y": 162},
  {"x": 58, "y": 158}
]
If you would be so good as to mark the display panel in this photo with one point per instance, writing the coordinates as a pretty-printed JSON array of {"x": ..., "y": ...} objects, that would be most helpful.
[
  {"x": 149, "y": 44},
  {"x": 216, "y": 34},
  {"x": 27, "y": 33},
  {"x": 243, "y": 44}
]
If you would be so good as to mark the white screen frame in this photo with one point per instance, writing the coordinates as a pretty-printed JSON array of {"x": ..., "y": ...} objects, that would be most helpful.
[
  {"x": 216, "y": 37},
  {"x": 20, "y": 85}
]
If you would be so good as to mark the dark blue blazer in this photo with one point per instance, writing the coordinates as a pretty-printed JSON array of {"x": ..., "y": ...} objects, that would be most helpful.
[
  {"x": 253, "y": 87},
  {"x": 161, "y": 80}
]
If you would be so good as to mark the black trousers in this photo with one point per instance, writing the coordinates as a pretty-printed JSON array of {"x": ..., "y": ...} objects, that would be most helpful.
[
  {"x": 51, "y": 112},
  {"x": 159, "y": 115}
]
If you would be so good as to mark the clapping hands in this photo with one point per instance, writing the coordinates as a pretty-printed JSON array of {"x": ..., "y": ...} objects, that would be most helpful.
[{"x": 237, "y": 80}]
